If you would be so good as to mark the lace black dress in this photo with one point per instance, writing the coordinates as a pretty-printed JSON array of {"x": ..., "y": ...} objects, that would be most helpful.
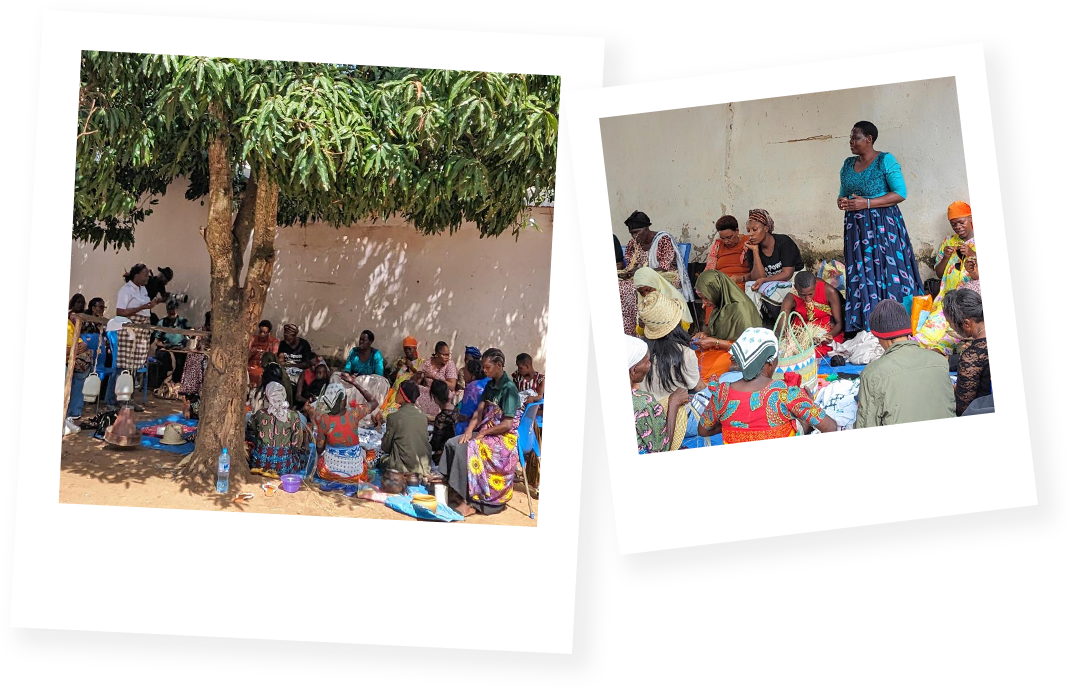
[{"x": 973, "y": 375}]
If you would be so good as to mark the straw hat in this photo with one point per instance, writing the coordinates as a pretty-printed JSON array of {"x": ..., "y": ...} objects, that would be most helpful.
[
  {"x": 660, "y": 315},
  {"x": 173, "y": 435}
]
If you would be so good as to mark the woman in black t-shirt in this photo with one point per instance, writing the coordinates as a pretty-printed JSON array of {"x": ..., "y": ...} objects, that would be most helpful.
[
  {"x": 295, "y": 354},
  {"x": 773, "y": 258}
]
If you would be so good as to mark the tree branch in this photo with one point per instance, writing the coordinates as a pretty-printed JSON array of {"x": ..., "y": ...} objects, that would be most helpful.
[{"x": 242, "y": 228}]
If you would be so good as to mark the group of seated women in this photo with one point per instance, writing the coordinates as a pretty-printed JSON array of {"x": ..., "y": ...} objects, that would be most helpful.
[
  {"x": 728, "y": 367},
  {"x": 437, "y": 424}
]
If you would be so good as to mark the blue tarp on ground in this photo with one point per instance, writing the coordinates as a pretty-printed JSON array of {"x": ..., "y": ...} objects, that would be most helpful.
[{"x": 154, "y": 442}]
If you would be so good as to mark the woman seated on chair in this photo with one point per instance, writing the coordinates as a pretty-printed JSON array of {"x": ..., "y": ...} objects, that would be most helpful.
[
  {"x": 758, "y": 407},
  {"x": 437, "y": 367},
  {"x": 363, "y": 359},
  {"x": 529, "y": 383},
  {"x": 655, "y": 250},
  {"x": 818, "y": 303},
  {"x": 731, "y": 314},
  {"x": 260, "y": 343},
  {"x": 674, "y": 364},
  {"x": 648, "y": 281},
  {"x": 479, "y": 464},
  {"x": 475, "y": 382},
  {"x": 279, "y": 443}
]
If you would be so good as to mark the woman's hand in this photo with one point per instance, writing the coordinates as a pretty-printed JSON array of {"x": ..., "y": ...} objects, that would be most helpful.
[
  {"x": 467, "y": 436},
  {"x": 948, "y": 251},
  {"x": 680, "y": 397},
  {"x": 758, "y": 283},
  {"x": 841, "y": 201},
  {"x": 853, "y": 204}
]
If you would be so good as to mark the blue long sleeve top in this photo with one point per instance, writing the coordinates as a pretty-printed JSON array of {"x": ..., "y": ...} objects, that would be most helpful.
[{"x": 882, "y": 176}]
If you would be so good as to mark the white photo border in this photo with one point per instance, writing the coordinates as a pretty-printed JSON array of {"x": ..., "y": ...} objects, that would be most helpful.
[
  {"x": 184, "y": 572},
  {"x": 838, "y": 480}
]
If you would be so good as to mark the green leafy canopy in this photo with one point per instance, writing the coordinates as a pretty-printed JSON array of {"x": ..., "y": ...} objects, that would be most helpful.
[{"x": 344, "y": 143}]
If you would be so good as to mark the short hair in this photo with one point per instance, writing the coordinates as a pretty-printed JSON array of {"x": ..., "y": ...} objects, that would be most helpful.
[
  {"x": 495, "y": 356},
  {"x": 804, "y": 280},
  {"x": 93, "y": 303},
  {"x": 524, "y": 359},
  {"x": 726, "y": 222},
  {"x": 439, "y": 345},
  {"x": 475, "y": 368},
  {"x": 368, "y": 333},
  {"x": 265, "y": 323},
  {"x": 960, "y": 304},
  {"x": 411, "y": 390},
  {"x": 867, "y": 129},
  {"x": 439, "y": 391}
]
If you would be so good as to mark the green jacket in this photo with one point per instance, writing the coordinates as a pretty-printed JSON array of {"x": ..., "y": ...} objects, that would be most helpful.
[
  {"x": 405, "y": 442},
  {"x": 907, "y": 384}
]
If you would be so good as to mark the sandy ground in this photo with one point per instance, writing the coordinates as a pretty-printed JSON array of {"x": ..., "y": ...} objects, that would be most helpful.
[{"x": 94, "y": 472}]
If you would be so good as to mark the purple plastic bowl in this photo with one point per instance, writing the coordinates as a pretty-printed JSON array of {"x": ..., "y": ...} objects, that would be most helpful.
[{"x": 291, "y": 482}]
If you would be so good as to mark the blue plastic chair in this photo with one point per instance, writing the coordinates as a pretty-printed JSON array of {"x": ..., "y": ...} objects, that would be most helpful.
[
  {"x": 526, "y": 442},
  {"x": 686, "y": 251},
  {"x": 113, "y": 342}
]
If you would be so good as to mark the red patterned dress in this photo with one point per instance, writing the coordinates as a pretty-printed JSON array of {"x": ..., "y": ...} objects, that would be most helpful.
[
  {"x": 761, "y": 415},
  {"x": 818, "y": 311}
]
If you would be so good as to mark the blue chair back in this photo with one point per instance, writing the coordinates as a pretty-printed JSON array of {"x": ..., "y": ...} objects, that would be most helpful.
[
  {"x": 93, "y": 341},
  {"x": 526, "y": 432},
  {"x": 113, "y": 345},
  {"x": 686, "y": 251}
]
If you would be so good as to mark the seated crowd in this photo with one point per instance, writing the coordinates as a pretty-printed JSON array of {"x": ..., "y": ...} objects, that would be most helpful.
[
  {"x": 705, "y": 353},
  {"x": 432, "y": 422}
]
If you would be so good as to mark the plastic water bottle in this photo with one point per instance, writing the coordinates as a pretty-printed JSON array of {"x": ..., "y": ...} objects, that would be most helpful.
[{"x": 223, "y": 472}]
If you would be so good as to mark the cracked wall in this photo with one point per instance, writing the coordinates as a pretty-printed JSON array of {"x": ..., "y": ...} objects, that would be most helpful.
[{"x": 685, "y": 168}]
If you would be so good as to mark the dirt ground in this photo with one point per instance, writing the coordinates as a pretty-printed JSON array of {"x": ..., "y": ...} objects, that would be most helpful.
[{"x": 94, "y": 472}]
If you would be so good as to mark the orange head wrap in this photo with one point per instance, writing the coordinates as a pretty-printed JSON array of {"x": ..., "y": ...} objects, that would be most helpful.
[
  {"x": 958, "y": 209},
  {"x": 410, "y": 341}
]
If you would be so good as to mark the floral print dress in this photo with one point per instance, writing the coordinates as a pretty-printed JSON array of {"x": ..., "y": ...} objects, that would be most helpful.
[
  {"x": 649, "y": 416},
  {"x": 491, "y": 460},
  {"x": 761, "y": 415}
]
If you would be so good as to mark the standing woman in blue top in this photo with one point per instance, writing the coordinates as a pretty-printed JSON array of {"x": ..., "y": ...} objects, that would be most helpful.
[
  {"x": 879, "y": 260},
  {"x": 363, "y": 359}
]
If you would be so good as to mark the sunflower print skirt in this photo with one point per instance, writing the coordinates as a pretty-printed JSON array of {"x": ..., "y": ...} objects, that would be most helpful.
[{"x": 491, "y": 460}]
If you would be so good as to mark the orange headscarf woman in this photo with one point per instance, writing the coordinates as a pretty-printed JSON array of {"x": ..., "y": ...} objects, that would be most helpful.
[{"x": 404, "y": 367}]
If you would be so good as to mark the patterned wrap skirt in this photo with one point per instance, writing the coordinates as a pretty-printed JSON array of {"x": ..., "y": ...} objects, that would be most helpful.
[
  {"x": 133, "y": 345},
  {"x": 879, "y": 263}
]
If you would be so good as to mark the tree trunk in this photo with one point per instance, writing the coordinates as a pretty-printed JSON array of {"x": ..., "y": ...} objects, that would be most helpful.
[
  {"x": 223, "y": 397},
  {"x": 262, "y": 254}
]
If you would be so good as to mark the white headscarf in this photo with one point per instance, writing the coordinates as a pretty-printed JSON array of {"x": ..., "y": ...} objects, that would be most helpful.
[
  {"x": 277, "y": 401},
  {"x": 635, "y": 350},
  {"x": 330, "y": 396},
  {"x": 682, "y": 269}
]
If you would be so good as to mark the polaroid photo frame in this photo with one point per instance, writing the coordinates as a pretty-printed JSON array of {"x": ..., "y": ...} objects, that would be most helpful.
[
  {"x": 796, "y": 485},
  {"x": 888, "y": 623},
  {"x": 188, "y": 572}
]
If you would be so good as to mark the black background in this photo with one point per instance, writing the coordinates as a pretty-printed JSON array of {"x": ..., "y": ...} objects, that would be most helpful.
[{"x": 1014, "y": 555}]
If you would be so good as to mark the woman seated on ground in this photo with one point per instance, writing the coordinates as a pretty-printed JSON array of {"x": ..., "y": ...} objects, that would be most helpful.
[
  {"x": 963, "y": 309},
  {"x": 446, "y": 421},
  {"x": 310, "y": 391},
  {"x": 674, "y": 364},
  {"x": 475, "y": 382},
  {"x": 731, "y": 314},
  {"x": 529, "y": 383},
  {"x": 273, "y": 372},
  {"x": 648, "y": 281},
  {"x": 341, "y": 457},
  {"x": 653, "y": 420},
  {"x": 657, "y": 251},
  {"x": 295, "y": 354},
  {"x": 259, "y": 344},
  {"x": 437, "y": 367},
  {"x": 363, "y": 359},
  {"x": 757, "y": 407},
  {"x": 936, "y": 333},
  {"x": 773, "y": 260},
  {"x": 279, "y": 445},
  {"x": 405, "y": 441},
  {"x": 404, "y": 368},
  {"x": 479, "y": 464},
  {"x": 728, "y": 251},
  {"x": 818, "y": 303}
]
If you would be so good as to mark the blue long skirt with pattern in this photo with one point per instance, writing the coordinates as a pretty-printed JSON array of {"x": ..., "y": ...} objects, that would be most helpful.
[{"x": 879, "y": 263}]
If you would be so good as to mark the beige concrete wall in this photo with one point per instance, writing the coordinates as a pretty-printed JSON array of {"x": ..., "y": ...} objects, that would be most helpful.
[
  {"x": 686, "y": 168},
  {"x": 336, "y": 282}
]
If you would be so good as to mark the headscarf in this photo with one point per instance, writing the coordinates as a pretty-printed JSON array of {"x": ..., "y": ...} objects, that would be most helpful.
[
  {"x": 277, "y": 401},
  {"x": 733, "y": 312},
  {"x": 762, "y": 217},
  {"x": 660, "y": 314},
  {"x": 679, "y": 262},
  {"x": 472, "y": 351},
  {"x": 646, "y": 277},
  {"x": 637, "y": 220},
  {"x": 958, "y": 209},
  {"x": 755, "y": 348},
  {"x": 331, "y": 396},
  {"x": 635, "y": 350},
  {"x": 409, "y": 342},
  {"x": 290, "y": 328}
]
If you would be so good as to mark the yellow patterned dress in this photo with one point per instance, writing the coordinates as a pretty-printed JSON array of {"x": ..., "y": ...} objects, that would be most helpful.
[
  {"x": 491, "y": 460},
  {"x": 935, "y": 333}
]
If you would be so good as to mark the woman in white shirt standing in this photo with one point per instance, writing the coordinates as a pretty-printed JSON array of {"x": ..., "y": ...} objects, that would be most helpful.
[{"x": 133, "y": 302}]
